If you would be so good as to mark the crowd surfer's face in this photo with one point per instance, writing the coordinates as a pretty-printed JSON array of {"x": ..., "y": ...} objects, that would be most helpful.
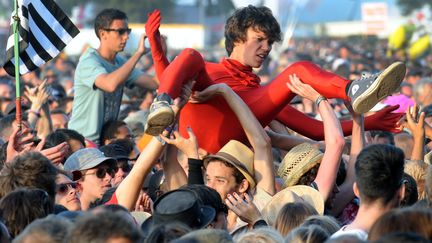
[{"x": 254, "y": 50}]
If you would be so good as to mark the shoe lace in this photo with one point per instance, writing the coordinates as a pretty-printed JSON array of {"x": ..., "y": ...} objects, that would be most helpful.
[{"x": 366, "y": 76}]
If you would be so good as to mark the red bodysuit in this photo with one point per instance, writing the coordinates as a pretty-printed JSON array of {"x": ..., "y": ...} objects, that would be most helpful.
[{"x": 214, "y": 123}]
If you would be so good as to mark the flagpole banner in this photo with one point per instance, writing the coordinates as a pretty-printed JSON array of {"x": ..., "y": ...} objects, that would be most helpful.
[{"x": 44, "y": 30}]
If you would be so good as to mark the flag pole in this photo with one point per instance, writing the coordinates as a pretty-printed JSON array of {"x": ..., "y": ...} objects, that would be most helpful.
[{"x": 18, "y": 114}]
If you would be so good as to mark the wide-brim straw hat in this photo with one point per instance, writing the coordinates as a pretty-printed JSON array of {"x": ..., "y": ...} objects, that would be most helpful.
[
  {"x": 238, "y": 155},
  {"x": 293, "y": 194},
  {"x": 297, "y": 162}
]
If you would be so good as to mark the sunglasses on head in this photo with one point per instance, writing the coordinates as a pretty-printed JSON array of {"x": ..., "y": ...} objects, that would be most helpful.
[
  {"x": 120, "y": 31},
  {"x": 102, "y": 171},
  {"x": 64, "y": 187}
]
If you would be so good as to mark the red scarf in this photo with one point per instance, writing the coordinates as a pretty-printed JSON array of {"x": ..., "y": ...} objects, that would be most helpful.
[{"x": 241, "y": 73}]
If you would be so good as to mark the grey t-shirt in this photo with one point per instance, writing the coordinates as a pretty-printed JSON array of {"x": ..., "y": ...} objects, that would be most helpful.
[{"x": 92, "y": 107}]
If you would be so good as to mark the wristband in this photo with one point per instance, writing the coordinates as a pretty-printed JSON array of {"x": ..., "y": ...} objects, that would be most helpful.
[
  {"x": 319, "y": 99},
  {"x": 160, "y": 140}
]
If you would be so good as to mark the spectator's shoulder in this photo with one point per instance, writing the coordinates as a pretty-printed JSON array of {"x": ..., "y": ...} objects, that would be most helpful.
[{"x": 89, "y": 54}]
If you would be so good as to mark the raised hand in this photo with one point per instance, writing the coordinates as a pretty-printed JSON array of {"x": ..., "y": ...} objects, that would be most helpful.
[
  {"x": 153, "y": 24},
  {"x": 143, "y": 203},
  {"x": 186, "y": 92},
  {"x": 188, "y": 146},
  {"x": 302, "y": 89},
  {"x": 37, "y": 95},
  {"x": 56, "y": 154},
  {"x": 245, "y": 209},
  {"x": 415, "y": 124},
  {"x": 19, "y": 142},
  {"x": 156, "y": 42},
  {"x": 181, "y": 101},
  {"x": 384, "y": 120},
  {"x": 209, "y": 92},
  {"x": 142, "y": 49}
]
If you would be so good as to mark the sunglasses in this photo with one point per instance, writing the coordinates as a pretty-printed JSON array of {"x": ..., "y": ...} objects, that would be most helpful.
[
  {"x": 63, "y": 188},
  {"x": 124, "y": 165},
  {"x": 102, "y": 171},
  {"x": 120, "y": 31}
]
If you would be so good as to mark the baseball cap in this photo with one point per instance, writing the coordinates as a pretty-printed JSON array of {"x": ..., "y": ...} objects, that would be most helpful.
[{"x": 87, "y": 158}]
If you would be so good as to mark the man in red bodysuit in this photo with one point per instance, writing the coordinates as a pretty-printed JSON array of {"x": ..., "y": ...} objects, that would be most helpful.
[{"x": 250, "y": 33}]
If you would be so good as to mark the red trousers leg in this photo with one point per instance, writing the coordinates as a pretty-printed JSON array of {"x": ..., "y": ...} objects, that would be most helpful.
[
  {"x": 188, "y": 65},
  {"x": 266, "y": 102}
]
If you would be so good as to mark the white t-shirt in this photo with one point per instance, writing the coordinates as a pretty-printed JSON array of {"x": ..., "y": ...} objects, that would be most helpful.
[{"x": 359, "y": 233}]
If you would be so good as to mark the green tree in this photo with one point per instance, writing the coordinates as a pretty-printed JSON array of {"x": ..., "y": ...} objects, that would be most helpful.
[{"x": 408, "y": 6}]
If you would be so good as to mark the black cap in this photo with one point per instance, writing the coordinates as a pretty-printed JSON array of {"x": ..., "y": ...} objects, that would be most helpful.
[{"x": 115, "y": 151}]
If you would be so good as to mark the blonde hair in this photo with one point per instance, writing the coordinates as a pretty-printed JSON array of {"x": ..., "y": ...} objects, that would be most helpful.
[
  {"x": 418, "y": 171},
  {"x": 260, "y": 235},
  {"x": 428, "y": 186},
  {"x": 292, "y": 215}
]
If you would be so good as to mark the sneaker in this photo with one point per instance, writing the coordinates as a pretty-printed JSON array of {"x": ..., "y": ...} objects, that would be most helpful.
[
  {"x": 366, "y": 92},
  {"x": 161, "y": 115}
]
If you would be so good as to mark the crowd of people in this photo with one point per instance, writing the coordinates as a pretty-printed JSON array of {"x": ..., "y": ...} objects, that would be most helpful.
[{"x": 328, "y": 142}]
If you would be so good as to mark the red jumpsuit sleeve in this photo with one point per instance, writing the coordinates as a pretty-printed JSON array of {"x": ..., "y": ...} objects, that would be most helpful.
[
  {"x": 154, "y": 37},
  {"x": 299, "y": 122}
]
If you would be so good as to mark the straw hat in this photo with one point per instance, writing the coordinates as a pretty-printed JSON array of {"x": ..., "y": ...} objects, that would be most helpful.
[
  {"x": 238, "y": 155},
  {"x": 297, "y": 162},
  {"x": 293, "y": 194},
  {"x": 428, "y": 158}
]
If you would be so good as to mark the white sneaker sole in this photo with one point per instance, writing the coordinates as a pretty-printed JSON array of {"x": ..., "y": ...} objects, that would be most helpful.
[
  {"x": 387, "y": 82},
  {"x": 158, "y": 121}
]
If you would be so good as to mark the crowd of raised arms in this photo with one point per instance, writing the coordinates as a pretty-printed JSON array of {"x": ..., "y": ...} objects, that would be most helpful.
[{"x": 328, "y": 142}]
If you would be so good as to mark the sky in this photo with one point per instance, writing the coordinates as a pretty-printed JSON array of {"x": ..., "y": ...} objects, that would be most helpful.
[{"x": 314, "y": 11}]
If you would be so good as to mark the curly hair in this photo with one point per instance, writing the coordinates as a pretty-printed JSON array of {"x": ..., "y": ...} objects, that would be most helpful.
[
  {"x": 258, "y": 18},
  {"x": 32, "y": 170}
]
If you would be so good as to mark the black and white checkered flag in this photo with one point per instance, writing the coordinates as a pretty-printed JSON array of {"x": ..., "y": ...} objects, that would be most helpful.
[{"x": 44, "y": 30}]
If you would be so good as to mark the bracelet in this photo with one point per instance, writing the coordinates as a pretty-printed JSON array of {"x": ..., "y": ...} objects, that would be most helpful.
[
  {"x": 37, "y": 113},
  {"x": 160, "y": 140},
  {"x": 319, "y": 99}
]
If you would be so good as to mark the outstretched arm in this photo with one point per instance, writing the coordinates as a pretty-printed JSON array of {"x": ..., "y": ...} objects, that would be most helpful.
[
  {"x": 39, "y": 116},
  {"x": 346, "y": 193},
  {"x": 129, "y": 189},
  {"x": 334, "y": 140},
  {"x": 110, "y": 81},
  {"x": 175, "y": 176},
  {"x": 416, "y": 126},
  {"x": 258, "y": 138},
  {"x": 296, "y": 120},
  {"x": 154, "y": 37}
]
